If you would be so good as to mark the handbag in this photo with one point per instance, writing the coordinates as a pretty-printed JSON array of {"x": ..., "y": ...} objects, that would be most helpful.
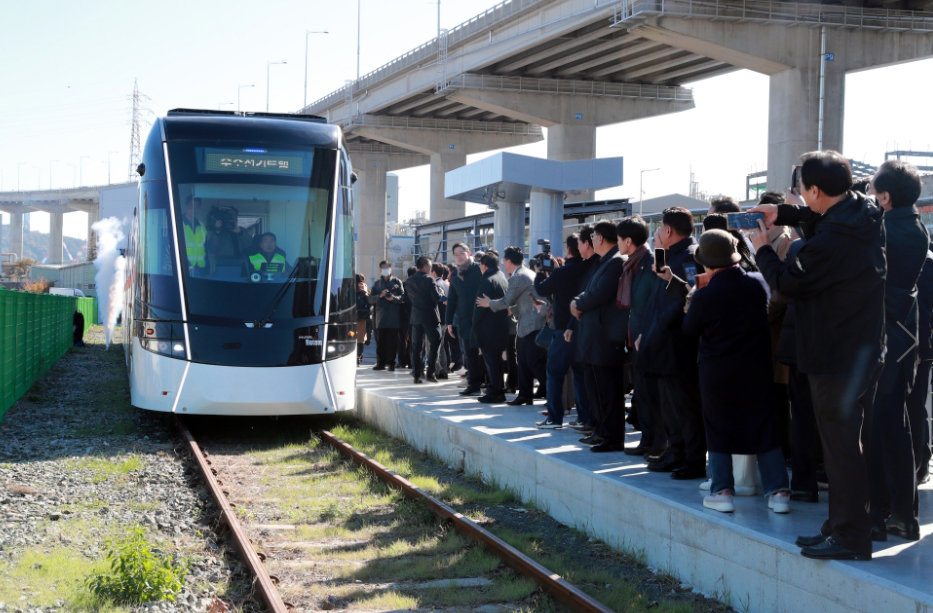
[{"x": 546, "y": 334}]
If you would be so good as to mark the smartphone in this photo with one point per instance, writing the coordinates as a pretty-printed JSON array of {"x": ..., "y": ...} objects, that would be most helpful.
[
  {"x": 795, "y": 180},
  {"x": 743, "y": 221},
  {"x": 659, "y": 259}
]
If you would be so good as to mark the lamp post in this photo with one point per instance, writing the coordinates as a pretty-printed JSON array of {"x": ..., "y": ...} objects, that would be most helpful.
[
  {"x": 641, "y": 188},
  {"x": 240, "y": 88},
  {"x": 109, "y": 153},
  {"x": 268, "y": 67},
  {"x": 308, "y": 33},
  {"x": 19, "y": 166}
]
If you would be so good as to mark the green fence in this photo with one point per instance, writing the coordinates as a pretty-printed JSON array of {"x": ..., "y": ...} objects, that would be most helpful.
[{"x": 35, "y": 331}]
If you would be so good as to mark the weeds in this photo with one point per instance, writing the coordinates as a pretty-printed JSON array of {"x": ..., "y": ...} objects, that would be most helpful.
[{"x": 139, "y": 572}]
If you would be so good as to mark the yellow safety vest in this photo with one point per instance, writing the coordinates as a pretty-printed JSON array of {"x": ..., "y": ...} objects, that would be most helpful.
[
  {"x": 194, "y": 245},
  {"x": 258, "y": 259}
]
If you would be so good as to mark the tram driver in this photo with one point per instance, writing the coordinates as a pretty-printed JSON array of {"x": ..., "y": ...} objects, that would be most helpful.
[{"x": 267, "y": 263}]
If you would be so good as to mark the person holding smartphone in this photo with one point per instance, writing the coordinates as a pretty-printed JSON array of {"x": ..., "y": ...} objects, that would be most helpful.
[{"x": 837, "y": 282}]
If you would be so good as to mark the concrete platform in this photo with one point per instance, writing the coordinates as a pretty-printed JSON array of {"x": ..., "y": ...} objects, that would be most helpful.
[{"x": 747, "y": 559}]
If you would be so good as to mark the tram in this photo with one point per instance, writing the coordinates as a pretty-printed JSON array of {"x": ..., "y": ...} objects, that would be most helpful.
[{"x": 240, "y": 297}]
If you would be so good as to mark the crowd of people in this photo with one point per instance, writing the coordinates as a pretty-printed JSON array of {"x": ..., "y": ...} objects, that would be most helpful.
[{"x": 804, "y": 344}]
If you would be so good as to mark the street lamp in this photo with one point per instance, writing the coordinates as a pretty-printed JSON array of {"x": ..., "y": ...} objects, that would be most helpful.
[
  {"x": 641, "y": 188},
  {"x": 268, "y": 66},
  {"x": 307, "y": 34},
  {"x": 240, "y": 88},
  {"x": 19, "y": 166},
  {"x": 109, "y": 153}
]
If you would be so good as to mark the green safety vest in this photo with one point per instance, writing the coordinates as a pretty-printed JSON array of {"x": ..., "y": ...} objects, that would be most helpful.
[
  {"x": 258, "y": 259},
  {"x": 194, "y": 245}
]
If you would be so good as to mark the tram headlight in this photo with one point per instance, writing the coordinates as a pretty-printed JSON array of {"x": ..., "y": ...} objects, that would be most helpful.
[{"x": 164, "y": 338}]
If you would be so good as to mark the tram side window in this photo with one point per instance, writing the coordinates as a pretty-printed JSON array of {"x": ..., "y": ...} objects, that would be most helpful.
[
  {"x": 343, "y": 277},
  {"x": 155, "y": 256},
  {"x": 155, "y": 252}
]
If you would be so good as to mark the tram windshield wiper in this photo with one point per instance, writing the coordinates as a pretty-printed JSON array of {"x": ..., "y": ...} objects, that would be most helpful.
[{"x": 266, "y": 320}]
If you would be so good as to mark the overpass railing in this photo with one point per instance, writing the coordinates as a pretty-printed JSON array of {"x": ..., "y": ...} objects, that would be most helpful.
[
  {"x": 774, "y": 11},
  {"x": 35, "y": 331},
  {"x": 567, "y": 86},
  {"x": 453, "y": 125}
]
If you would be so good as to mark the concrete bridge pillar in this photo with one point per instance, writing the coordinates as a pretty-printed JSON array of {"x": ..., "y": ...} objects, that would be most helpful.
[
  {"x": 441, "y": 163},
  {"x": 509, "y": 224},
  {"x": 56, "y": 220},
  {"x": 566, "y": 142},
  {"x": 546, "y": 220},
  {"x": 793, "y": 118},
  {"x": 371, "y": 169},
  {"x": 16, "y": 234}
]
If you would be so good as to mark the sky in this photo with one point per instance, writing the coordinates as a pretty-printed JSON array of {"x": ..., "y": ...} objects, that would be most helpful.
[{"x": 67, "y": 71}]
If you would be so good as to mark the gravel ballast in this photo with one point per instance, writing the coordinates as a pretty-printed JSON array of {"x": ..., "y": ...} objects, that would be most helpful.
[{"x": 79, "y": 465}]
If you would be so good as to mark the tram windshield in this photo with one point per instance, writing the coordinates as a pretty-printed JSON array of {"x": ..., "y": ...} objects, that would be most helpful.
[{"x": 254, "y": 228}]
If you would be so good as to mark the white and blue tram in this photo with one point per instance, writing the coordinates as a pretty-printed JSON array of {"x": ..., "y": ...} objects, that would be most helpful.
[{"x": 240, "y": 292}]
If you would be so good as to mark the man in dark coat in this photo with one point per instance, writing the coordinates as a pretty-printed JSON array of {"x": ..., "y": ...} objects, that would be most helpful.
[
  {"x": 585, "y": 419},
  {"x": 461, "y": 302},
  {"x": 490, "y": 329},
  {"x": 893, "y": 476},
  {"x": 917, "y": 409},
  {"x": 424, "y": 297},
  {"x": 730, "y": 317},
  {"x": 837, "y": 283},
  {"x": 671, "y": 356},
  {"x": 601, "y": 338},
  {"x": 387, "y": 295},
  {"x": 637, "y": 288}
]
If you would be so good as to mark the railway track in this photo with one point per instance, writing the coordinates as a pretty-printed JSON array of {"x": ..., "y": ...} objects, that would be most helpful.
[{"x": 281, "y": 546}]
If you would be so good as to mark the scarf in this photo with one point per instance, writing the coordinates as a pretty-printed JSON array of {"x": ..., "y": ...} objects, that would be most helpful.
[{"x": 624, "y": 294}]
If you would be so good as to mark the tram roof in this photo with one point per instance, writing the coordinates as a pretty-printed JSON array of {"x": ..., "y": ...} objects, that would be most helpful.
[{"x": 279, "y": 128}]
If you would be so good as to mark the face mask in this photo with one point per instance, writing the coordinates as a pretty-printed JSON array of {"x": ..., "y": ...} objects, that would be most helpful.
[{"x": 386, "y": 272}]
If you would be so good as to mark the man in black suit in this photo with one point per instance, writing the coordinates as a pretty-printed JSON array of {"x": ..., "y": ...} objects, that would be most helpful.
[
  {"x": 424, "y": 296},
  {"x": 601, "y": 336},
  {"x": 491, "y": 328},
  {"x": 461, "y": 302}
]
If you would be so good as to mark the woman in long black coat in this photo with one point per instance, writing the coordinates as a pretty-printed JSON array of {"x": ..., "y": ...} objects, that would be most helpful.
[{"x": 730, "y": 316}]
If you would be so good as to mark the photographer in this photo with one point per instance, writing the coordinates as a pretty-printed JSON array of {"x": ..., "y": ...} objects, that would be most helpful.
[
  {"x": 387, "y": 295},
  {"x": 561, "y": 284},
  {"x": 226, "y": 242}
]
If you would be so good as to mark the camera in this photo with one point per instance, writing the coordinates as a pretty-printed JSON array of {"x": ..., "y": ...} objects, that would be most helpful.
[
  {"x": 543, "y": 260},
  {"x": 227, "y": 215}
]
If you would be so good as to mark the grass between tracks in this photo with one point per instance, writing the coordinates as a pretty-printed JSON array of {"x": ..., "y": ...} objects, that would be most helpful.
[{"x": 381, "y": 548}]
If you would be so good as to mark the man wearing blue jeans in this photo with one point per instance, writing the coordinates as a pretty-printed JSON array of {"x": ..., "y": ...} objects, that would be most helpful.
[{"x": 561, "y": 285}]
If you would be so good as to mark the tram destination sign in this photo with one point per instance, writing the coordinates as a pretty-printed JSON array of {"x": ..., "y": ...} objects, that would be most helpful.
[{"x": 246, "y": 162}]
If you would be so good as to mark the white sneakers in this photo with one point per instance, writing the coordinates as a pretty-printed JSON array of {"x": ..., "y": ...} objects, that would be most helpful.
[
  {"x": 721, "y": 502},
  {"x": 779, "y": 502},
  {"x": 724, "y": 502},
  {"x": 740, "y": 490}
]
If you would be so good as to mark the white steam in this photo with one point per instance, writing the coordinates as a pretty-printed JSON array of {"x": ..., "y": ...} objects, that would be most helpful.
[{"x": 110, "y": 273}]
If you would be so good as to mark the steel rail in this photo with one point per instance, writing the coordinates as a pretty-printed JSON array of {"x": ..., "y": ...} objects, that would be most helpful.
[
  {"x": 551, "y": 582},
  {"x": 267, "y": 589}
]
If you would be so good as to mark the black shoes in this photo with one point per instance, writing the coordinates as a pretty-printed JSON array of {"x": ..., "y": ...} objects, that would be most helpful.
[
  {"x": 689, "y": 471},
  {"x": 810, "y": 541},
  {"x": 418, "y": 380},
  {"x": 379, "y": 367},
  {"x": 639, "y": 450},
  {"x": 665, "y": 464},
  {"x": 829, "y": 549},
  {"x": 431, "y": 379},
  {"x": 592, "y": 439},
  {"x": 804, "y": 496},
  {"x": 492, "y": 399},
  {"x": 606, "y": 446},
  {"x": 520, "y": 400},
  {"x": 391, "y": 367},
  {"x": 471, "y": 391},
  {"x": 909, "y": 531},
  {"x": 442, "y": 375}
]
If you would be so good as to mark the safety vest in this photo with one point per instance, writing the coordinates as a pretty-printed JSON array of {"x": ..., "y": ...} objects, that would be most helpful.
[
  {"x": 194, "y": 245},
  {"x": 258, "y": 259}
]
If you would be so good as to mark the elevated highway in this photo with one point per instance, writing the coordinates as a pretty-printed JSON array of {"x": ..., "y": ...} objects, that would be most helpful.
[{"x": 571, "y": 66}]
